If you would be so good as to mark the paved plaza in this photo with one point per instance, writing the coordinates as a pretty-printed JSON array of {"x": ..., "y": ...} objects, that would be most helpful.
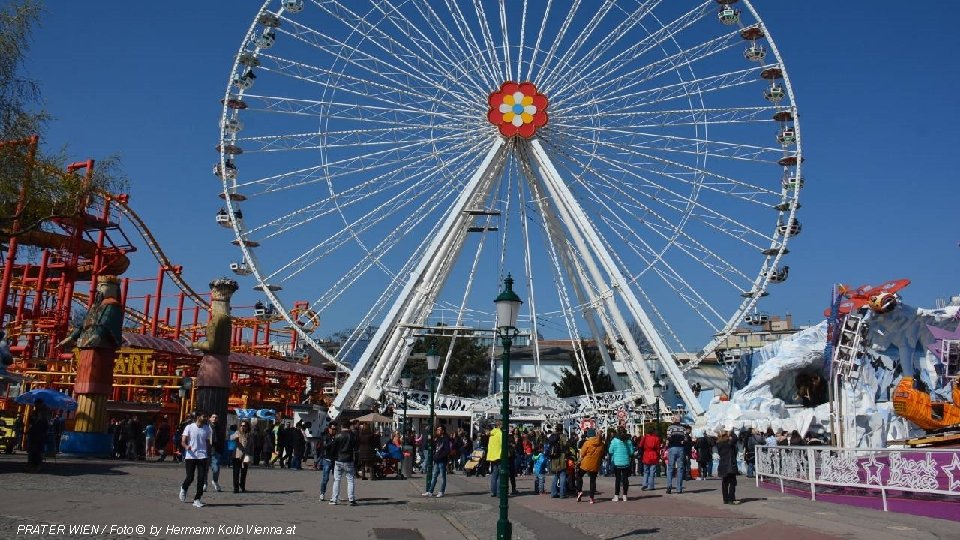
[{"x": 283, "y": 504}]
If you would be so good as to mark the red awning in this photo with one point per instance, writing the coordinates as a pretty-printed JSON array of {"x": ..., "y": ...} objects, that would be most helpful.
[
  {"x": 176, "y": 348},
  {"x": 278, "y": 365},
  {"x": 170, "y": 346}
]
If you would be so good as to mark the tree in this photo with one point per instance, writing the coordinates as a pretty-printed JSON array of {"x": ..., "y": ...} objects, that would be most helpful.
[
  {"x": 48, "y": 190},
  {"x": 469, "y": 369},
  {"x": 571, "y": 383}
]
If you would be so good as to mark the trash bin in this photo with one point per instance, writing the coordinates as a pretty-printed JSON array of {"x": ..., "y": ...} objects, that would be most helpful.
[{"x": 407, "y": 465}]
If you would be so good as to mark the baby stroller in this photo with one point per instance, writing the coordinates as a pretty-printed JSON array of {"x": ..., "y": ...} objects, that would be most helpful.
[
  {"x": 471, "y": 467},
  {"x": 389, "y": 461}
]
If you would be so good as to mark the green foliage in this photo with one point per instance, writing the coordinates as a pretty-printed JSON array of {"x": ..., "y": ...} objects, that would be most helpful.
[
  {"x": 571, "y": 384},
  {"x": 469, "y": 371},
  {"x": 49, "y": 191}
]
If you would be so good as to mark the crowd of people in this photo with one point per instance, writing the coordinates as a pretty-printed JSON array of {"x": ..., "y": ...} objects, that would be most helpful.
[{"x": 570, "y": 462}]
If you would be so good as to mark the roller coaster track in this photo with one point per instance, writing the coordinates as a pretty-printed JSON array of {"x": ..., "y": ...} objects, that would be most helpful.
[
  {"x": 131, "y": 314},
  {"x": 154, "y": 247}
]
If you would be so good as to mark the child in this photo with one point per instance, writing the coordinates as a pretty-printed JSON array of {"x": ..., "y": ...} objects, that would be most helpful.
[{"x": 539, "y": 464}]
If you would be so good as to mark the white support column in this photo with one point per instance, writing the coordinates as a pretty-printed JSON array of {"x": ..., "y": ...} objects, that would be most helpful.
[
  {"x": 579, "y": 226},
  {"x": 421, "y": 288}
]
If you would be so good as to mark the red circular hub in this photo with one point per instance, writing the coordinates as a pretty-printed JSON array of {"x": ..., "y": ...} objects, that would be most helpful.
[{"x": 517, "y": 109}]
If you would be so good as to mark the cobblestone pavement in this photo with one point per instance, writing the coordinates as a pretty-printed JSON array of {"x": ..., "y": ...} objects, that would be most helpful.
[{"x": 283, "y": 503}]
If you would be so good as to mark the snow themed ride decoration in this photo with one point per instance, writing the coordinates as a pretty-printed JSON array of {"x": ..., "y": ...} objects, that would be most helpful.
[{"x": 897, "y": 346}]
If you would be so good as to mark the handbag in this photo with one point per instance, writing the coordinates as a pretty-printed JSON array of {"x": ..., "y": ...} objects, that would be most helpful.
[{"x": 247, "y": 459}]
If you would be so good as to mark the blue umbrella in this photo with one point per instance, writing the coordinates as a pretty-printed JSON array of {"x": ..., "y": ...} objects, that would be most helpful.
[{"x": 50, "y": 398}]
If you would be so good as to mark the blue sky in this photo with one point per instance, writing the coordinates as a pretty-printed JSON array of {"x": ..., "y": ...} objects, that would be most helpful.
[{"x": 875, "y": 88}]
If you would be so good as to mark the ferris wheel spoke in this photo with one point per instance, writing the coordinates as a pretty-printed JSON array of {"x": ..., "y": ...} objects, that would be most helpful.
[
  {"x": 353, "y": 138},
  {"x": 584, "y": 35},
  {"x": 632, "y": 53},
  {"x": 477, "y": 68},
  {"x": 653, "y": 96},
  {"x": 396, "y": 176},
  {"x": 402, "y": 96},
  {"x": 373, "y": 257},
  {"x": 556, "y": 40},
  {"x": 468, "y": 37},
  {"x": 605, "y": 43},
  {"x": 673, "y": 232},
  {"x": 365, "y": 163},
  {"x": 669, "y": 230},
  {"x": 490, "y": 45},
  {"x": 670, "y": 118},
  {"x": 423, "y": 61},
  {"x": 536, "y": 46},
  {"x": 382, "y": 212},
  {"x": 505, "y": 40},
  {"x": 359, "y": 112},
  {"x": 375, "y": 65},
  {"x": 613, "y": 85},
  {"x": 690, "y": 145},
  {"x": 710, "y": 218},
  {"x": 413, "y": 32},
  {"x": 689, "y": 294},
  {"x": 723, "y": 184}
]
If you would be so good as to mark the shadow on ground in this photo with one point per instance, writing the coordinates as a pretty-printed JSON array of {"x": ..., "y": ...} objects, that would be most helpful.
[{"x": 72, "y": 468}]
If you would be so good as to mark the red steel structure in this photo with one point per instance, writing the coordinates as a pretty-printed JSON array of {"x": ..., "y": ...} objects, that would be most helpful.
[{"x": 40, "y": 287}]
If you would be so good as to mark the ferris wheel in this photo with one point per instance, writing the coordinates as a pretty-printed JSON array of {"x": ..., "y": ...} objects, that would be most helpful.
[{"x": 634, "y": 164}]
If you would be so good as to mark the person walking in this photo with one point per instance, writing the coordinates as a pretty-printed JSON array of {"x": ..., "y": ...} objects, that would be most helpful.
[
  {"x": 442, "y": 449},
  {"x": 650, "y": 456},
  {"x": 216, "y": 452},
  {"x": 494, "y": 451},
  {"x": 268, "y": 443},
  {"x": 197, "y": 441},
  {"x": 345, "y": 444},
  {"x": 37, "y": 426},
  {"x": 162, "y": 439},
  {"x": 327, "y": 449},
  {"x": 727, "y": 468},
  {"x": 242, "y": 456},
  {"x": 557, "y": 448},
  {"x": 753, "y": 440},
  {"x": 591, "y": 453},
  {"x": 366, "y": 452},
  {"x": 676, "y": 437},
  {"x": 621, "y": 449},
  {"x": 705, "y": 445},
  {"x": 539, "y": 468}
]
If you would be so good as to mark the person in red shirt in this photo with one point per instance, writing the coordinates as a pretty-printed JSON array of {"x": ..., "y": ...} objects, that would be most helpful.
[
  {"x": 650, "y": 455},
  {"x": 527, "y": 454}
]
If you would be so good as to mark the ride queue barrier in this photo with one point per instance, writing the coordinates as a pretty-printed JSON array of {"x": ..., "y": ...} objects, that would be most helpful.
[{"x": 908, "y": 470}]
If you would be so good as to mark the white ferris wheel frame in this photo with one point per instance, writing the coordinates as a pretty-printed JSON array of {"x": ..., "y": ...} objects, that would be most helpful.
[{"x": 594, "y": 269}]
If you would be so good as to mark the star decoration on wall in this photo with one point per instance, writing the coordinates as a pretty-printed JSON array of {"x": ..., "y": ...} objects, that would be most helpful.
[
  {"x": 939, "y": 335},
  {"x": 953, "y": 473},
  {"x": 871, "y": 476}
]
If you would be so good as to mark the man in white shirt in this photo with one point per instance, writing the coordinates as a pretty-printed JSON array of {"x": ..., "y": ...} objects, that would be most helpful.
[{"x": 197, "y": 444}]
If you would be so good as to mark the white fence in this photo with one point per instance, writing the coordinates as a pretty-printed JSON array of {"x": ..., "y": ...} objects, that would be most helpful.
[{"x": 923, "y": 470}]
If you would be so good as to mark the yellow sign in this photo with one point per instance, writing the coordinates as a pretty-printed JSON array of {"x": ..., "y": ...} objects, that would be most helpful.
[{"x": 134, "y": 362}]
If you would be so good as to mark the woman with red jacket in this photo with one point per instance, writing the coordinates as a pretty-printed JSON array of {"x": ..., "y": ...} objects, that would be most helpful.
[{"x": 650, "y": 446}]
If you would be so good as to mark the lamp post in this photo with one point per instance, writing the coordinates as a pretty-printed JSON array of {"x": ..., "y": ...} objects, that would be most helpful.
[
  {"x": 657, "y": 392},
  {"x": 433, "y": 362},
  {"x": 508, "y": 307},
  {"x": 405, "y": 383}
]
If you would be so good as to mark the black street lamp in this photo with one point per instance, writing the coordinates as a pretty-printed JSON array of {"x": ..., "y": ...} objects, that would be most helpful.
[
  {"x": 508, "y": 307},
  {"x": 657, "y": 392},
  {"x": 433, "y": 362},
  {"x": 405, "y": 383}
]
